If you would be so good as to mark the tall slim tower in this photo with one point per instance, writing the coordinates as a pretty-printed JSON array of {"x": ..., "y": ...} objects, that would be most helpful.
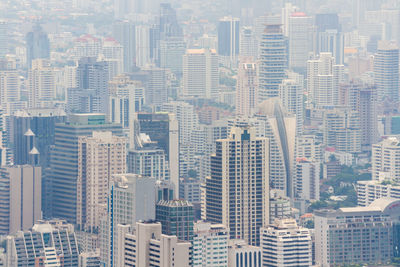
[
  {"x": 273, "y": 62},
  {"x": 124, "y": 33},
  {"x": 235, "y": 194},
  {"x": 247, "y": 88},
  {"x": 99, "y": 157},
  {"x": 41, "y": 83},
  {"x": 228, "y": 38},
  {"x": 386, "y": 68},
  {"x": 37, "y": 45}
]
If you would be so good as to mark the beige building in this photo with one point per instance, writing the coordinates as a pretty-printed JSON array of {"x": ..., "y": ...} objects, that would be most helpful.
[
  {"x": 99, "y": 157},
  {"x": 21, "y": 198},
  {"x": 200, "y": 73},
  {"x": 149, "y": 247},
  {"x": 247, "y": 87},
  {"x": 238, "y": 184},
  {"x": 240, "y": 253}
]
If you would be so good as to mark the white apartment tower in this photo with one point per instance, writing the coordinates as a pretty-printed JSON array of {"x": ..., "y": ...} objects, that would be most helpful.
[
  {"x": 385, "y": 158},
  {"x": 323, "y": 80},
  {"x": 210, "y": 245},
  {"x": 99, "y": 157},
  {"x": 284, "y": 244},
  {"x": 200, "y": 73},
  {"x": 41, "y": 84},
  {"x": 238, "y": 182},
  {"x": 306, "y": 180},
  {"x": 247, "y": 87}
]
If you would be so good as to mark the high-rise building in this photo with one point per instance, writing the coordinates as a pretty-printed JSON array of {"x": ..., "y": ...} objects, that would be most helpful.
[
  {"x": 279, "y": 206},
  {"x": 350, "y": 235},
  {"x": 341, "y": 130},
  {"x": 3, "y": 38},
  {"x": 228, "y": 38},
  {"x": 89, "y": 259},
  {"x": 112, "y": 52},
  {"x": 64, "y": 162},
  {"x": 248, "y": 43},
  {"x": 37, "y": 45},
  {"x": 168, "y": 23},
  {"x": 21, "y": 193},
  {"x": 200, "y": 73},
  {"x": 240, "y": 167},
  {"x": 306, "y": 180},
  {"x": 283, "y": 243},
  {"x": 291, "y": 95},
  {"x": 300, "y": 40},
  {"x": 363, "y": 99},
  {"x": 41, "y": 122},
  {"x": 9, "y": 83},
  {"x": 41, "y": 84},
  {"x": 131, "y": 199},
  {"x": 309, "y": 147},
  {"x": 385, "y": 156},
  {"x": 172, "y": 50},
  {"x": 273, "y": 62},
  {"x": 49, "y": 243},
  {"x": 143, "y": 46},
  {"x": 209, "y": 241},
  {"x": 100, "y": 156},
  {"x": 148, "y": 159},
  {"x": 156, "y": 92},
  {"x": 240, "y": 253},
  {"x": 386, "y": 69},
  {"x": 188, "y": 122},
  {"x": 246, "y": 88},
  {"x": 163, "y": 128},
  {"x": 176, "y": 218},
  {"x": 280, "y": 128},
  {"x": 126, "y": 98},
  {"x": 124, "y": 32},
  {"x": 92, "y": 94},
  {"x": 369, "y": 191},
  {"x": 329, "y": 36},
  {"x": 149, "y": 247},
  {"x": 323, "y": 80}
]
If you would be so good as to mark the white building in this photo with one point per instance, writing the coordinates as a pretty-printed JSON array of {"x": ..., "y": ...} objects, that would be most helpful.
[
  {"x": 309, "y": 147},
  {"x": 323, "y": 80},
  {"x": 284, "y": 244},
  {"x": 385, "y": 158},
  {"x": 240, "y": 254},
  {"x": 300, "y": 40},
  {"x": 369, "y": 191},
  {"x": 210, "y": 245},
  {"x": 41, "y": 84},
  {"x": 247, "y": 87},
  {"x": 306, "y": 181},
  {"x": 148, "y": 247},
  {"x": 99, "y": 157},
  {"x": 200, "y": 73},
  {"x": 131, "y": 199}
]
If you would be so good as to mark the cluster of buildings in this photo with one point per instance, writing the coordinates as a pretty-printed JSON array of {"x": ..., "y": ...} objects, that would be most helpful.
[{"x": 199, "y": 133}]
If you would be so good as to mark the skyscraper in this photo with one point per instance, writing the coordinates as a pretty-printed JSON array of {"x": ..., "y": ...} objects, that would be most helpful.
[
  {"x": 124, "y": 32},
  {"x": 247, "y": 88},
  {"x": 37, "y": 45},
  {"x": 163, "y": 128},
  {"x": 3, "y": 38},
  {"x": 64, "y": 162},
  {"x": 273, "y": 62},
  {"x": 131, "y": 199},
  {"x": 385, "y": 156},
  {"x": 386, "y": 69},
  {"x": 21, "y": 193},
  {"x": 228, "y": 39},
  {"x": 300, "y": 40},
  {"x": 41, "y": 84},
  {"x": 200, "y": 73},
  {"x": 235, "y": 193},
  {"x": 100, "y": 156}
]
